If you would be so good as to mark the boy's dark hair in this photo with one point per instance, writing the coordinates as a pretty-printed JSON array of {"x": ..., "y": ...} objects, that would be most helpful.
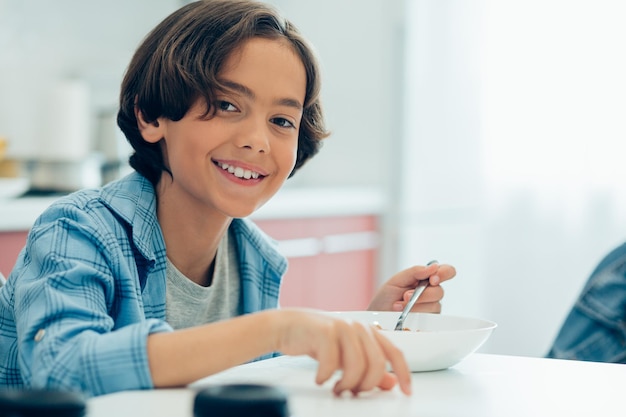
[{"x": 178, "y": 63}]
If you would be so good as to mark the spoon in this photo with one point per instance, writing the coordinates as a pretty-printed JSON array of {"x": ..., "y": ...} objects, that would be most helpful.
[{"x": 407, "y": 308}]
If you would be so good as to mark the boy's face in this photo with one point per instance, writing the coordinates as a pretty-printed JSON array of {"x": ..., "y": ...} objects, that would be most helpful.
[{"x": 237, "y": 160}]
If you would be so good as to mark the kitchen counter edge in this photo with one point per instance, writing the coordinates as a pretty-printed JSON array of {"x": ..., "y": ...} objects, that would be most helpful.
[{"x": 19, "y": 214}]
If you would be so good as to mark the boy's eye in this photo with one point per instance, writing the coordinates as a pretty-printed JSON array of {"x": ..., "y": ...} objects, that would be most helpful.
[
  {"x": 225, "y": 106},
  {"x": 282, "y": 122}
]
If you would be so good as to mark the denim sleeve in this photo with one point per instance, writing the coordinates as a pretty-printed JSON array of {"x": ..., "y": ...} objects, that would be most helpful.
[
  {"x": 78, "y": 327},
  {"x": 595, "y": 329}
]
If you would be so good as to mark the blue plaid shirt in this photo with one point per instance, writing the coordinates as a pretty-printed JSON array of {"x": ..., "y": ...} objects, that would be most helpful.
[{"x": 89, "y": 287}]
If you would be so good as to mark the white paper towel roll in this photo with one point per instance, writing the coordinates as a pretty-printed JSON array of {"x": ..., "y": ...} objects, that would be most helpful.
[{"x": 66, "y": 126}]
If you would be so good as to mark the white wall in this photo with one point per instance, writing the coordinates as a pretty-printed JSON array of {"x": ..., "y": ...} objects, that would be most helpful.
[
  {"x": 45, "y": 42},
  {"x": 515, "y": 139}
]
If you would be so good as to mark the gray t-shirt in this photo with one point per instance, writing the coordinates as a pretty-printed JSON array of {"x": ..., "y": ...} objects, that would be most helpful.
[{"x": 189, "y": 304}]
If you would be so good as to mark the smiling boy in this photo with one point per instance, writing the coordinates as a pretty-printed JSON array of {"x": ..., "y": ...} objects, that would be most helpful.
[{"x": 158, "y": 279}]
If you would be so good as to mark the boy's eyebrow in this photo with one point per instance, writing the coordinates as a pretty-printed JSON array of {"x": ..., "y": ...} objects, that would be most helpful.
[{"x": 290, "y": 102}]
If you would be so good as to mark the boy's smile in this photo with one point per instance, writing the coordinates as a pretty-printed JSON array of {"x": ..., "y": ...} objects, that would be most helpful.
[
  {"x": 232, "y": 163},
  {"x": 249, "y": 176}
]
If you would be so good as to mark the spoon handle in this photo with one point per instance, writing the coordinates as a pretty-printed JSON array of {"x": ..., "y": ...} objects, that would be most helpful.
[{"x": 407, "y": 308}]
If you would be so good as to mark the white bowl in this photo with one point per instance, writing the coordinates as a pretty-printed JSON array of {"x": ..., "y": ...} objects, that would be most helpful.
[{"x": 432, "y": 341}]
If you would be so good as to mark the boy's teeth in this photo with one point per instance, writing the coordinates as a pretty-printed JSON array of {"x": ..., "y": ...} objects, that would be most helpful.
[{"x": 239, "y": 172}]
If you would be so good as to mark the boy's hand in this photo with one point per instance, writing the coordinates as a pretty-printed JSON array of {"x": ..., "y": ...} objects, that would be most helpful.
[
  {"x": 360, "y": 352},
  {"x": 396, "y": 292}
]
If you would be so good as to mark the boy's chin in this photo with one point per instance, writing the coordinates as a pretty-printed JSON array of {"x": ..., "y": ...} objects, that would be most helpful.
[{"x": 242, "y": 212}]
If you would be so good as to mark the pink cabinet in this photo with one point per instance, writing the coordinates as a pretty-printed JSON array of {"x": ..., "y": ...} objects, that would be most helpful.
[
  {"x": 332, "y": 260},
  {"x": 11, "y": 243}
]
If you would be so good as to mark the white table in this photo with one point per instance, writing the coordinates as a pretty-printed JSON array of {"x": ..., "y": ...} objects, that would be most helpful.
[{"x": 482, "y": 385}]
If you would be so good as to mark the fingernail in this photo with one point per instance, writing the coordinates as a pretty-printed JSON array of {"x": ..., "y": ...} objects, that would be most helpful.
[{"x": 397, "y": 306}]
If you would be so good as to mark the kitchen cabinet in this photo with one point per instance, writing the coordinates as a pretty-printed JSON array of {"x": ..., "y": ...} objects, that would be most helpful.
[
  {"x": 11, "y": 243},
  {"x": 332, "y": 260}
]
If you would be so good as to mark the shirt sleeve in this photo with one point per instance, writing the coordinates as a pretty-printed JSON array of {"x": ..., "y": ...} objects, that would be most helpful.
[
  {"x": 594, "y": 329},
  {"x": 79, "y": 317}
]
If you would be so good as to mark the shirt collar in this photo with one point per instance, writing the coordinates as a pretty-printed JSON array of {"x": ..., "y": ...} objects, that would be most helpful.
[{"x": 133, "y": 199}]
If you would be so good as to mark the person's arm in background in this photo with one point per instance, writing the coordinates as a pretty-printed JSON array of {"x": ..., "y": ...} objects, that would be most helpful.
[{"x": 595, "y": 328}]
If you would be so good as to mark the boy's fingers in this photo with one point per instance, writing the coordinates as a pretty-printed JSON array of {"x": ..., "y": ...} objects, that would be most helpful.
[
  {"x": 431, "y": 295},
  {"x": 327, "y": 353},
  {"x": 388, "y": 381},
  {"x": 328, "y": 362},
  {"x": 375, "y": 360},
  {"x": 397, "y": 361},
  {"x": 353, "y": 364},
  {"x": 445, "y": 273}
]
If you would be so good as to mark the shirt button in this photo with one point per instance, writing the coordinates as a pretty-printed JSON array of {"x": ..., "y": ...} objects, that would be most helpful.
[{"x": 39, "y": 335}]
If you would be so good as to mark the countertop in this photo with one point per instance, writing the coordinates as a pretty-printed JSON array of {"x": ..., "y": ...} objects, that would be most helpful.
[{"x": 17, "y": 214}]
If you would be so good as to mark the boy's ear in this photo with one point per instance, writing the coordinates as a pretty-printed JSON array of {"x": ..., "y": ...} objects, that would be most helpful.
[{"x": 151, "y": 132}]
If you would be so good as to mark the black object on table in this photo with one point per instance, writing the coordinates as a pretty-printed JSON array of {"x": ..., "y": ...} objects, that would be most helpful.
[
  {"x": 39, "y": 403},
  {"x": 241, "y": 400}
]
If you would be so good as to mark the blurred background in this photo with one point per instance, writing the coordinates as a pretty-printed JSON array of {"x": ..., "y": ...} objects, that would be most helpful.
[{"x": 485, "y": 134}]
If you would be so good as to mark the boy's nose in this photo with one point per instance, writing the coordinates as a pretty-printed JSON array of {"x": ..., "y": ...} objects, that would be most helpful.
[{"x": 255, "y": 136}]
